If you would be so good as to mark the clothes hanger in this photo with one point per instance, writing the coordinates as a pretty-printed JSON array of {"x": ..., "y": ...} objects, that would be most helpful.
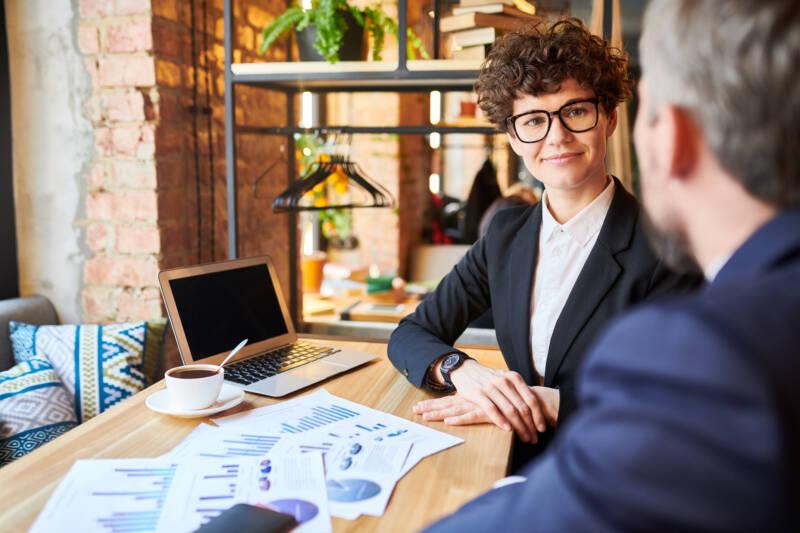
[{"x": 291, "y": 198}]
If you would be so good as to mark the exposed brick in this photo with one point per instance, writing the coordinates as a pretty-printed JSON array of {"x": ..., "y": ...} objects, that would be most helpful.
[
  {"x": 134, "y": 141},
  {"x": 127, "y": 71},
  {"x": 103, "y": 144},
  {"x": 135, "y": 206},
  {"x": 138, "y": 240},
  {"x": 99, "y": 270},
  {"x": 125, "y": 140},
  {"x": 97, "y": 237},
  {"x": 99, "y": 206},
  {"x": 95, "y": 8},
  {"x": 147, "y": 143},
  {"x": 139, "y": 305},
  {"x": 129, "y": 37},
  {"x": 131, "y": 7},
  {"x": 125, "y": 106},
  {"x": 136, "y": 272},
  {"x": 98, "y": 303},
  {"x": 96, "y": 178},
  {"x": 133, "y": 174},
  {"x": 88, "y": 42},
  {"x": 93, "y": 69},
  {"x": 93, "y": 109},
  {"x": 121, "y": 271}
]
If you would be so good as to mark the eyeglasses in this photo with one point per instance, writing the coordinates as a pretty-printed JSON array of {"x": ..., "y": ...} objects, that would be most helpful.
[{"x": 533, "y": 126}]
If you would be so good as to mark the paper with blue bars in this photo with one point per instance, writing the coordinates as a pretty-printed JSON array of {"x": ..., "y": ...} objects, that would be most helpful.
[{"x": 321, "y": 421}]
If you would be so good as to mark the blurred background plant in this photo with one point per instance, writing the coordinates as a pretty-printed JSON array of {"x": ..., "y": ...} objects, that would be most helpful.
[{"x": 336, "y": 224}]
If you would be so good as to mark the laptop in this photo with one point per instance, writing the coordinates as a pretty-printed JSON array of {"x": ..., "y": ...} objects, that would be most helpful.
[{"x": 213, "y": 307}]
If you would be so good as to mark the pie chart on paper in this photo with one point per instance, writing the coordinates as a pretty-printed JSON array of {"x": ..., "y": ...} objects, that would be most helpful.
[
  {"x": 301, "y": 510},
  {"x": 352, "y": 490}
]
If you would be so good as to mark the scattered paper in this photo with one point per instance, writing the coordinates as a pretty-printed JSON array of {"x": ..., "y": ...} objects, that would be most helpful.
[
  {"x": 210, "y": 441},
  {"x": 204, "y": 488},
  {"x": 109, "y": 495}
]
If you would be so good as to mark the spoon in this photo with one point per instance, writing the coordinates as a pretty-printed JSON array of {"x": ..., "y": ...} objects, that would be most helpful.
[{"x": 233, "y": 352}]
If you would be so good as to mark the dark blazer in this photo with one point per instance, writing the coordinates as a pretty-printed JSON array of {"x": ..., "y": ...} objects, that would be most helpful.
[
  {"x": 497, "y": 273},
  {"x": 689, "y": 418}
]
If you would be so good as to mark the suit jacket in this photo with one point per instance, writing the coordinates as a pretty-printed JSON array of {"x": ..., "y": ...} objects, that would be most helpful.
[
  {"x": 689, "y": 418},
  {"x": 497, "y": 273}
]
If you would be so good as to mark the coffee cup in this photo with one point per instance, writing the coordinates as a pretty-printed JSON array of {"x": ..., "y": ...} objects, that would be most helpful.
[{"x": 194, "y": 387}]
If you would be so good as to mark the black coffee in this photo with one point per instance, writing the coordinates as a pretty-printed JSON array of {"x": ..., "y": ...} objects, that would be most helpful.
[{"x": 192, "y": 373}]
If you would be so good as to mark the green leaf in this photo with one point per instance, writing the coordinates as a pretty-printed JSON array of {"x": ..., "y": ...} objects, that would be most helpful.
[{"x": 279, "y": 26}]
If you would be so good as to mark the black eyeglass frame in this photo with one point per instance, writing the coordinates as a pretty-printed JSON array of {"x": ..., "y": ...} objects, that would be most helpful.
[{"x": 511, "y": 120}]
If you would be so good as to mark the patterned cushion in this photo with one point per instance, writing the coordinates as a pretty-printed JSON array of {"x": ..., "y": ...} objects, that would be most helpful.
[
  {"x": 34, "y": 408},
  {"x": 99, "y": 365}
]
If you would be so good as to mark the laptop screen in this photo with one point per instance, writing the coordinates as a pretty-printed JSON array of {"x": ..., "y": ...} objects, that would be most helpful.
[{"x": 220, "y": 309}]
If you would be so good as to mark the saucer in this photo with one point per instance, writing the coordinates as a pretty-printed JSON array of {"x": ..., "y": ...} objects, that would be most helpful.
[{"x": 229, "y": 396}]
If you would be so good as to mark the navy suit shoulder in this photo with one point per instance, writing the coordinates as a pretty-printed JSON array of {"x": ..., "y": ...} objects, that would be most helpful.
[{"x": 689, "y": 415}]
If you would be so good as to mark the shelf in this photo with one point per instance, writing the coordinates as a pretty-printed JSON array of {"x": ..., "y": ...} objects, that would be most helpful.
[
  {"x": 420, "y": 75},
  {"x": 398, "y": 130}
]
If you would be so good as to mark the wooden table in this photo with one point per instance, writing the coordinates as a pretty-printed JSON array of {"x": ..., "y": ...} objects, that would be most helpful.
[{"x": 435, "y": 487}]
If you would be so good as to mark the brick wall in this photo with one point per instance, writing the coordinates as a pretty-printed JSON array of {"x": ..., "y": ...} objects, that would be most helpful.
[
  {"x": 156, "y": 195},
  {"x": 156, "y": 185}
]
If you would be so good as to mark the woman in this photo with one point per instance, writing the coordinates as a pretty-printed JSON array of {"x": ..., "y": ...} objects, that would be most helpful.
[{"x": 552, "y": 274}]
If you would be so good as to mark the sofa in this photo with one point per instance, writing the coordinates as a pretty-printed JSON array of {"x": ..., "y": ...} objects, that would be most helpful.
[{"x": 31, "y": 310}]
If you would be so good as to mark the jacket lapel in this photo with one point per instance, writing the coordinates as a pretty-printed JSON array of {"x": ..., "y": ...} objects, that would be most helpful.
[
  {"x": 524, "y": 254},
  {"x": 596, "y": 278}
]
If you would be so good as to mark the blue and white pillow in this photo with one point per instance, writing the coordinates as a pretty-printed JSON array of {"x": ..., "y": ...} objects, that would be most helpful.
[
  {"x": 35, "y": 408},
  {"x": 99, "y": 365}
]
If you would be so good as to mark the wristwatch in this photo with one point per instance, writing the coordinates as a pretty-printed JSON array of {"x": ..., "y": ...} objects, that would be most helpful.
[{"x": 451, "y": 363}]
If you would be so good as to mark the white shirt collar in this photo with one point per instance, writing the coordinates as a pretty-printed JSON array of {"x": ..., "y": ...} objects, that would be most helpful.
[
  {"x": 715, "y": 267},
  {"x": 583, "y": 226}
]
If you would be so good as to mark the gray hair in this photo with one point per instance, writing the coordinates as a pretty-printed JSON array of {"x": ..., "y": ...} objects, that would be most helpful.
[{"x": 735, "y": 66}]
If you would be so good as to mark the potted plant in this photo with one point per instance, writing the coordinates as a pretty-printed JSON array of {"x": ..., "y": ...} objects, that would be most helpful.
[{"x": 337, "y": 31}]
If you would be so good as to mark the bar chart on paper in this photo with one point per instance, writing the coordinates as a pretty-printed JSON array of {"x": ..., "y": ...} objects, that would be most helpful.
[
  {"x": 145, "y": 489},
  {"x": 109, "y": 496},
  {"x": 204, "y": 489},
  {"x": 317, "y": 417}
]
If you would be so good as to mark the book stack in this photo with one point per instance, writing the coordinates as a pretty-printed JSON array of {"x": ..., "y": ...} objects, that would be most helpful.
[{"x": 475, "y": 24}]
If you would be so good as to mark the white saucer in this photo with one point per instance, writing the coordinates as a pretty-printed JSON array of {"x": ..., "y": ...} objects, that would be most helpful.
[{"x": 229, "y": 396}]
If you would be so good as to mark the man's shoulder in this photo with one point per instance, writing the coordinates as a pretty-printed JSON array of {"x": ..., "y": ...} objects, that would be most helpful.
[{"x": 745, "y": 321}]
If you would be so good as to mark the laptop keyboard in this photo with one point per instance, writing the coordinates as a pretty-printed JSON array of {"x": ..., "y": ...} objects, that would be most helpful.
[{"x": 275, "y": 362}]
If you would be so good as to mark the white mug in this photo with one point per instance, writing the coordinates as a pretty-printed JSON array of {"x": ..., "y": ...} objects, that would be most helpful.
[{"x": 192, "y": 392}]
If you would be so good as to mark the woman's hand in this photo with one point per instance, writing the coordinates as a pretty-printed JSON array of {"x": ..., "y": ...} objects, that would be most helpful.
[
  {"x": 503, "y": 396},
  {"x": 456, "y": 410}
]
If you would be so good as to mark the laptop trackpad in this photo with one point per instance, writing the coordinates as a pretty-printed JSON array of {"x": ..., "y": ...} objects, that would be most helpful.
[{"x": 294, "y": 379}]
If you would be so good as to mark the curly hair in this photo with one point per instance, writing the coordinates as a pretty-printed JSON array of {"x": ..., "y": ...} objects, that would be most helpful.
[{"x": 537, "y": 58}]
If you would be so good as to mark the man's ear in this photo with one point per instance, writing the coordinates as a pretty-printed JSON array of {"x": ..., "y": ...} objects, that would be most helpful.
[
  {"x": 682, "y": 137},
  {"x": 612, "y": 123}
]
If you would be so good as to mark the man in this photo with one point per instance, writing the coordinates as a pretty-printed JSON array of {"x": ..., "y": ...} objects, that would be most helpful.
[{"x": 703, "y": 433}]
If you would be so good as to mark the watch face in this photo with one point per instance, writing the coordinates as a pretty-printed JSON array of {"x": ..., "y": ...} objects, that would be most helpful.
[{"x": 451, "y": 360}]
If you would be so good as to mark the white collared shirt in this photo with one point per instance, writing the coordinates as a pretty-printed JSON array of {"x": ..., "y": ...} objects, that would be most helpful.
[{"x": 563, "y": 250}]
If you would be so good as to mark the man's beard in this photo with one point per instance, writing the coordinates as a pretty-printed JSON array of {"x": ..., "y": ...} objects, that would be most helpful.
[{"x": 671, "y": 247}]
